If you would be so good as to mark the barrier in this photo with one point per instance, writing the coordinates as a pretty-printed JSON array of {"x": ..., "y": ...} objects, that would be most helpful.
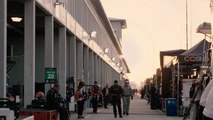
[{"x": 40, "y": 114}]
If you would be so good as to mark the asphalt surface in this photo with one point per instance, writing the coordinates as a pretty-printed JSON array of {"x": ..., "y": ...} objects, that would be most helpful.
[{"x": 139, "y": 110}]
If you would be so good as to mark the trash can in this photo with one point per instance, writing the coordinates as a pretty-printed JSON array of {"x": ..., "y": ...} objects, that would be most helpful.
[{"x": 171, "y": 107}]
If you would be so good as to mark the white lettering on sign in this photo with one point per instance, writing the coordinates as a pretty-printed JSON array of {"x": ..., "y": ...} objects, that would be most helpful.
[{"x": 195, "y": 58}]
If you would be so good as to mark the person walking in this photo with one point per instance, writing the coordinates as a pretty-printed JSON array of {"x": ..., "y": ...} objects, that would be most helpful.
[
  {"x": 80, "y": 98},
  {"x": 153, "y": 96},
  {"x": 126, "y": 96},
  {"x": 116, "y": 93},
  {"x": 95, "y": 93},
  {"x": 105, "y": 92}
]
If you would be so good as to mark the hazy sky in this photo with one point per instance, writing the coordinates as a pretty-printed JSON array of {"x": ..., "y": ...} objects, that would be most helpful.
[{"x": 154, "y": 26}]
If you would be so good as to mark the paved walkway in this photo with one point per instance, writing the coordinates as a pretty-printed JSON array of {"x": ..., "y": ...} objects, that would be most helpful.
[{"x": 139, "y": 110}]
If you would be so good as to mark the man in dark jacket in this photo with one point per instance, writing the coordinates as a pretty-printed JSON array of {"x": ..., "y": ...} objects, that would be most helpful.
[
  {"x": 116, "y": 93},
  {"x": 54, "y": 101},
  {"x": 153, "y": 96},
  {"x": 95, "y": 93},
  {"x": 105, "y": 92}
]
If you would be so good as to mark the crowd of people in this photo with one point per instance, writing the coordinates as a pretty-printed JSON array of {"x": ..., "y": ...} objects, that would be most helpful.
[
  {"x": 202, "y": 94},
  {"x": 53, "y": 100},
  {"x": 201, "y": 98},
  {"x": 118, "y": 95},
  {"x": 112, "y": 94}
]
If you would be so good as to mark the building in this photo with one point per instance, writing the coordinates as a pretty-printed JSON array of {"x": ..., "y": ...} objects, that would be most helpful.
[{"x": 57, "y": 41}]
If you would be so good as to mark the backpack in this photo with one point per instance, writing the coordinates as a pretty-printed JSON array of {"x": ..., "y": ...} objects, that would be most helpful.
[{"x": 191, "y": 91}]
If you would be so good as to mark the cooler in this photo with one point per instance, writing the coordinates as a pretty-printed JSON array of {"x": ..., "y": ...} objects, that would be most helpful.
[
  {"x": 171, "y": 107},
  {"x": 40, "y": 114}
]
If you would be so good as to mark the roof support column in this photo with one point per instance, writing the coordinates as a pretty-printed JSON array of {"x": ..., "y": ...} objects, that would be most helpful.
[
  {"x": 103, "y": 74},
  {"x": 86, "y": 65},
  {"x": 91, "y": 67},
  {"x": 99, "y": 71},
  {"x": 95, "y": 67},
  {"x": 79, "y": 61},
  {"x": 72, "y": 59},
  {"x": 29, "y": 52},
  {"x": 49, "y": 45},
  {"x": 62, "y": 60},
  {"x": 3, "y": 45}
]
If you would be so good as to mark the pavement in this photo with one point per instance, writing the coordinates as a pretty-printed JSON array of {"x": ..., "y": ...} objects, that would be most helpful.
[{"x": 139, "y": 110}]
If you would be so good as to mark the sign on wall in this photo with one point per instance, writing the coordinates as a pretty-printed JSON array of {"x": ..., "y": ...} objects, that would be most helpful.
[{"x": 50, "y": 75}]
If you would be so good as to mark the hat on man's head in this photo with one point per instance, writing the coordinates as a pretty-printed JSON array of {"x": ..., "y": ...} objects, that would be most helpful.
[
  {"x": 116, "y": 81},
  {"x": 56, "y": 85},
  {"x": 95, "y": 82}
]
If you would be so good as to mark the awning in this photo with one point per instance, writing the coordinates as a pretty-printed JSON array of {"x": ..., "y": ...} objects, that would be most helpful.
[
  {"x": 196, "y": 53},
  {"x": 169, "y": 53}
]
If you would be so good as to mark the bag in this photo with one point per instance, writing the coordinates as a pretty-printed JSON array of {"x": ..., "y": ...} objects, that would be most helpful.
[
  {"x": 39, "y": 102},
  {"x": 191, "y": 92}
]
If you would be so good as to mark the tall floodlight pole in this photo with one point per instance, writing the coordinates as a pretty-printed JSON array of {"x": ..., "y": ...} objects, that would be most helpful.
[
  {"x": 178, "y": 88},
  {"x": 186, "y": 24},
  {"x": 211, "y": 39}
]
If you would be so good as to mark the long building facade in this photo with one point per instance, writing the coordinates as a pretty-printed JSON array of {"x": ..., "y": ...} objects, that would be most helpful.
[{"x": 74, "y": 39}]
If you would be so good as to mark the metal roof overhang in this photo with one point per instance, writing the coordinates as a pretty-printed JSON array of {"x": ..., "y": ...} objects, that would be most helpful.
[
  {"x": 125, "y": 63},
  {"x": 122, "y": 21},
  {"x": 97, "y": 4}
]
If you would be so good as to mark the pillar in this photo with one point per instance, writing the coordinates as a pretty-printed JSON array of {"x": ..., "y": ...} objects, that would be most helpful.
[
  {"x": 3, "y": 45},
  {"x": 29, "y": 52},
  {"x": 86, "y": 65},
  {"x": 72, "y": 58},
  {"x": 91, "y": 67},
  {"x": 95, "y": 68},
  {"x": 62, "y": 61},
  {"x": 79, "y": 66},
  {"x": 49, "y": 45}
]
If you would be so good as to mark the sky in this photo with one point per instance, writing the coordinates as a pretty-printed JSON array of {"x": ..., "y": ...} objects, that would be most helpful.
[{"x": 154, "y": 26}]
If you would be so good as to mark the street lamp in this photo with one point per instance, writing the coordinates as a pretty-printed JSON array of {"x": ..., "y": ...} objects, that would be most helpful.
[
  {"x": 113, "y": 59},
  {"x": 93, "y": 35},
  {"x": 106, "y": 50}
]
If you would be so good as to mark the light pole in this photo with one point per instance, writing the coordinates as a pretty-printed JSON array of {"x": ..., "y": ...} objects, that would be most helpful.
[{"x": 186, "y": 24}]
